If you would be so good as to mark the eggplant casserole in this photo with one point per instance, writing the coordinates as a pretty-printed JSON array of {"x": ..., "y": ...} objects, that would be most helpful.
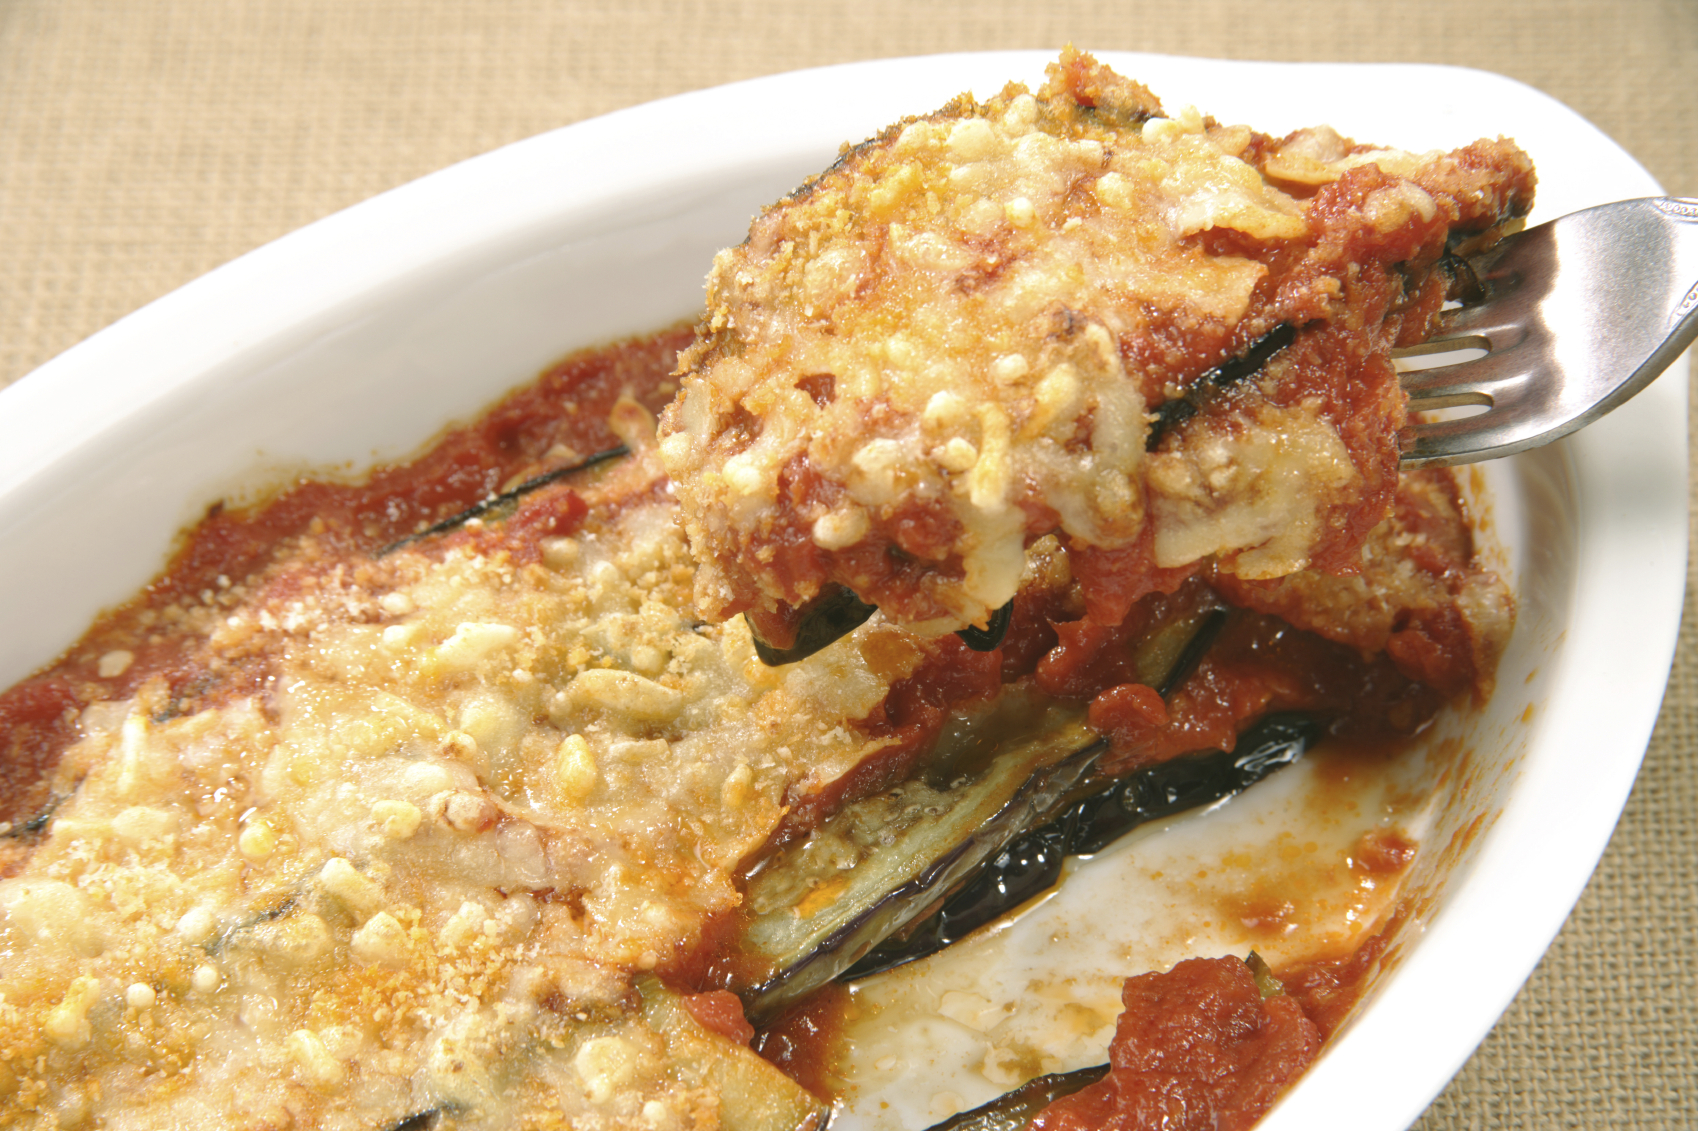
[{"x": 390, "y": 806}]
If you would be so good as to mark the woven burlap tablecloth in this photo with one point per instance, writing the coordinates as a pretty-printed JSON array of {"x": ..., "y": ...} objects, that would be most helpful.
[{"x": 144, "y": 142}]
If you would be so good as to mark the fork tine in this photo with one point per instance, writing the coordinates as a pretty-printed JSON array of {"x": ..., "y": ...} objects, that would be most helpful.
[
  {"x": 1490, "y": 380},
  {"x": 1467, "y": 439},
  {"x": 1426, "y": 444},
  {"x": 1579, "y": 315},
  {"x": 1498, "y": 382}
]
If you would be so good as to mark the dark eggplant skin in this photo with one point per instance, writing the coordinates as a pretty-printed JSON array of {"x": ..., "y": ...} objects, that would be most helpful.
[
  {"x": 219, "y": 942},
  {"x": 478, "y": 510},
  {"x": 1223, "y": 376},
  {"x": 1031, "y": 864},
  {"x": 947, "y": 831},
  {"x": 838, "y": 611},
  {"x": 994, "y": 832},
  {"x": 1012, "y": 1111},
  {"x": 31, "y": 826},
  {"x": 834, "y": 614},
  {"x": 422, "y": 1121},
  {"x": 989, "y": 638}
]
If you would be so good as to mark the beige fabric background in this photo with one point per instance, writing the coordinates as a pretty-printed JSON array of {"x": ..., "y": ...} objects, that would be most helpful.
[{"x": 144, "y": 142}]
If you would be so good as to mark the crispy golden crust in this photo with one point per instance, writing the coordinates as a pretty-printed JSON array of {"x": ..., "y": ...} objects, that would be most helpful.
[{"x": 952, "y": 341}]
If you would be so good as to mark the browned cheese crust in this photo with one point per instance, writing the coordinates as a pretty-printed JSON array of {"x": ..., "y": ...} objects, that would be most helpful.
[{"x": 956, "y": 341}]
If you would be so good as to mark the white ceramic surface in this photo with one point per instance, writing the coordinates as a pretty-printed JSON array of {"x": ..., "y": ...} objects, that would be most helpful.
[{"x": 359, "y": 337}]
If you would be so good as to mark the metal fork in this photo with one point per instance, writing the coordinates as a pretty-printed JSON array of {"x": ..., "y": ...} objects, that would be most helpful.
[{"x": 1576, "y": 315}]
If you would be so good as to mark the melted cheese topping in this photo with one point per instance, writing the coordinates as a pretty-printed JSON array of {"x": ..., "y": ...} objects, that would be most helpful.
[
  {"x": 947, "y": 345},
  {"x": 1253, "y": 486},
  {"x": 970, "y": 281},
  {"x": 421, "y": 871}
]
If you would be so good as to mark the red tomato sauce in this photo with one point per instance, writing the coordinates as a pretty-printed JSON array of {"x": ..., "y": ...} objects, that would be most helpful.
[
  {"x": 1197, "y": 1049},
  {"x": 802, "y": 1040},
  {"x": 722, "y": 1012},
  {"x": 1329, "y": 988},
  {"x": 554, "y": 421},
  {"x": 1258, "y": 665}
]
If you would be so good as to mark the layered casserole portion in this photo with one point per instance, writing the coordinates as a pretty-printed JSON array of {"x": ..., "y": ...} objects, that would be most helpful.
[{"x": 1162, "y": 339}]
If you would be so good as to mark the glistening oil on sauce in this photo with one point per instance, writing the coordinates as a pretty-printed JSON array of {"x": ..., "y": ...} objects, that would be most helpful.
[{"x": 157, "y": 636}]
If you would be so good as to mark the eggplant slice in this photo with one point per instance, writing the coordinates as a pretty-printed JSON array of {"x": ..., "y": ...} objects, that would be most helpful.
[
  {"x": 754, "y": 1094},
  {"x": 900, "y": 876},
  {"x": 1031, "y": 864},
  {"x": 984, "y": 828},
  {"x": 875, "y": 866}
]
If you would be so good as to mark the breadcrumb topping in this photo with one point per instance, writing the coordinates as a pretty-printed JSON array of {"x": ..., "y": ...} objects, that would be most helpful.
[
  {"x": 957, "y": 340},
  {"x": 425, "y": 868}
]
